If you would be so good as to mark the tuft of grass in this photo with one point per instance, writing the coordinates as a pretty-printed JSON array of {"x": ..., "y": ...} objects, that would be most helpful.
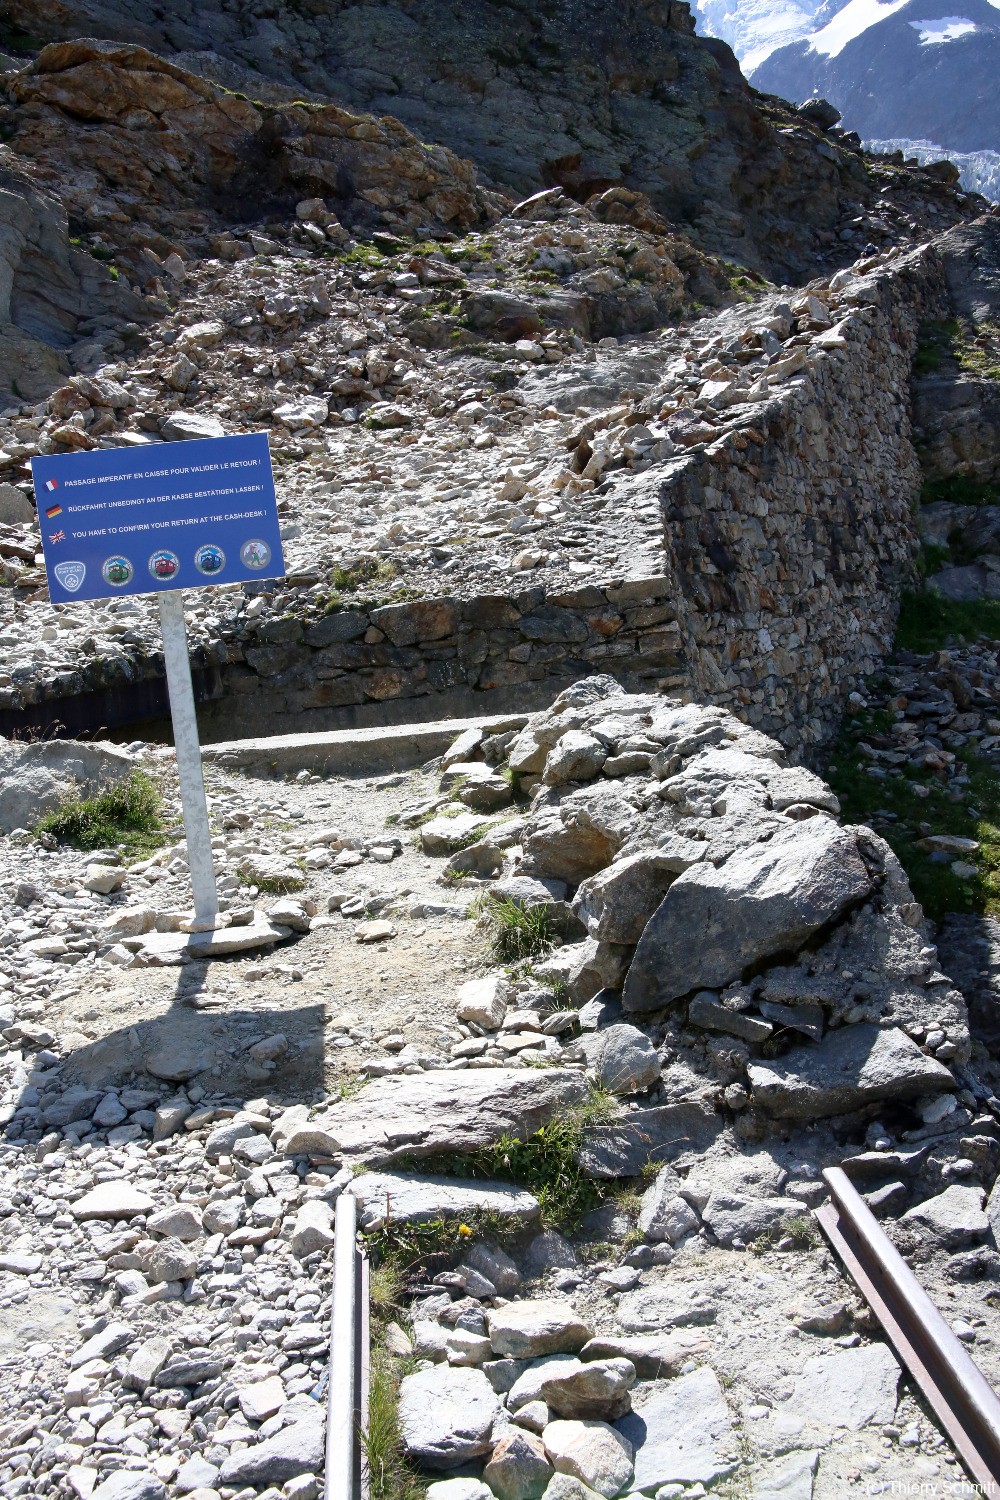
[
  {"x": 973, "y": 347},
  {"x": 560, "y": 997},
  {"x": 515, "y": 932},
  {"x": 127, "y": 816},
  {"x": 362, "y": 255},
  {"x": 277, "y": 885},
  {"x": 917, "y": 800},
  {"x": 799, "y": 1228},
  {"x": 390, "y": 1476},
  {"x": 927, "y": 621},
  {"x": 350, "y": 580},
  {"x": 546, "y": 1162}
]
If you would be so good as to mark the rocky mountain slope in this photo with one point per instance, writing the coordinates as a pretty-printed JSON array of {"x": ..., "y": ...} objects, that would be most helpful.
[
  {"x": 559, "y": 94},
  {"x": 600, "y": 391},
  {"x": 919, "y": 71},
  {"x": 178, "y": 1130}
]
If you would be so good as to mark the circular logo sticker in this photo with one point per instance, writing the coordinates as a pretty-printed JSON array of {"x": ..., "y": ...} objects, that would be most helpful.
[
  {"x": 255, "y": 554},
  {"x": 118, "y": 571},
  {"x": 164, "y": 565},
  {"x": 210, "y": 559}
]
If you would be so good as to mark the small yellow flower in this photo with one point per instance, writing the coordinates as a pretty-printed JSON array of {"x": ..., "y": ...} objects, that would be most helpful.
[{"x": 464, "y": 1230}]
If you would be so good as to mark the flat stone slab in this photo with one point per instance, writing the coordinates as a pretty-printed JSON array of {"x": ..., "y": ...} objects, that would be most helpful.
[
  {"x": 405, "y": 1199},
  {"x": 849, "y": 1389},
  {"x": 681, "y": 1432},
  {"x": 112, "y": 1200},
  {"x": 624, "y": 1148},
  {"x": 439, "y": 1110},
  {"x": 387, "y": 747},
  {"x": 654, "y": 1355},
  {"x": 851, "y": 1067},
  {"x": 789, "y": 1478},
  {"x": 164, "y": 948}
]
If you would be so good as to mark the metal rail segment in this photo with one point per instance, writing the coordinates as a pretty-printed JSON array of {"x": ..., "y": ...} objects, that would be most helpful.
[
  {"x": 960, "y": 1395},
  {"x": 346, "y": 1476}
]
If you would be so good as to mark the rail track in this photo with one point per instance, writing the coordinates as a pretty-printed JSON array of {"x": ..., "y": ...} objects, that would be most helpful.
[
  {"x": 958, "y": 1392},
  {"x": 346, "y": 1475},
  {"x": 962, "y": 1399}
]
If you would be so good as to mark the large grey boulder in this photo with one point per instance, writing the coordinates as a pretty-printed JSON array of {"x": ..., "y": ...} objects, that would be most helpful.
[
  {"x": 616, "y": 903},
  {"x": 407, "y": 1199},
  {"x": 529, "y": 1329},
  {"x": 955, "y": 1217},
  {"x": 599, "y": 1388},
  {"x": 446, "y": 1415},
  {"x": 439, "y": 1110},
  {"x": 296, "y": 1449},
  {"x": 585, "y": 968},
  {"x": 577, "y": 756},
  {"x": 14, "y": 506},
  {"x": 592, "y": 1452},
  {"x": 621, "y": 1058},
  {"x": 518, "y": 1468},
  {"x": 578, "y": 835},
  {"x": 851, "y": 1067},
  {"x": 681, "y": 1432},
  {"x": 731, "y": 1216},
  {"x": 624, "y": 1147},
  {"x": 767, "y": 899},
  {"x": 35, "y": 779}
]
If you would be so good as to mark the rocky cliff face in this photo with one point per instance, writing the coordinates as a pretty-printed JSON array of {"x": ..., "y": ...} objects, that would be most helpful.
[{"x": 567, "y": 92}]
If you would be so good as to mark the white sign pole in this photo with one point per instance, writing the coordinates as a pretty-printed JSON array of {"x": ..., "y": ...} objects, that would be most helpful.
[{"x": 188, "y": 748}]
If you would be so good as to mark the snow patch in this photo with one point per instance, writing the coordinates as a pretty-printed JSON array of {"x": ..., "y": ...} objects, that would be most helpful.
[
  {"x": 855, "y": 18},
  {"x": 945, "y": 30}
]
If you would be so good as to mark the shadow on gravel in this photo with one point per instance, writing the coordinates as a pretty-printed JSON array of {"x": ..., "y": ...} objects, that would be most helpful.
[
  {"x": 969, "y": 953},
  {"x": 205, "y": 1043}
]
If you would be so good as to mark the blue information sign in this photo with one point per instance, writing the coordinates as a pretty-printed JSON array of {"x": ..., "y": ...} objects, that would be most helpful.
[{"x": 160, "y": 516}]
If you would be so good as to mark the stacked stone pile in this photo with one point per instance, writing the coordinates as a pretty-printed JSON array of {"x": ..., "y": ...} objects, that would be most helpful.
[
  {"x": 747, "y": 983},
  {"x": 751, "y": 970}
]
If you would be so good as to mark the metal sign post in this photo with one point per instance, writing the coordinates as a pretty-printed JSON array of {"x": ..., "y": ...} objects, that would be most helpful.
[
  {"x": 158, "y": 519},
  {"x": 188, "y": 749}
]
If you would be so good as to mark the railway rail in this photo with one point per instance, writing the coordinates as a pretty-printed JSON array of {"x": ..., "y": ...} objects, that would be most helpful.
[
  {"x": 958, "y": 1392},
  {"x": 346, "y": 1476}
]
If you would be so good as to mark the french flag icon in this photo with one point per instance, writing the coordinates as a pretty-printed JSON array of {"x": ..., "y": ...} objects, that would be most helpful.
[{"x": 51, "y": 484}]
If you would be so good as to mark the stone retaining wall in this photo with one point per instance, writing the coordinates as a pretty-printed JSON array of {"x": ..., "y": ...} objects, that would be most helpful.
[
  {"x": 790, "y": 539},
  {"x": 785, "y": 544}
]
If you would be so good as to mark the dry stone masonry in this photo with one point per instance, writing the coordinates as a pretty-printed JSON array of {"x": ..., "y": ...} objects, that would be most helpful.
[{"x": 758, "y": 506}]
